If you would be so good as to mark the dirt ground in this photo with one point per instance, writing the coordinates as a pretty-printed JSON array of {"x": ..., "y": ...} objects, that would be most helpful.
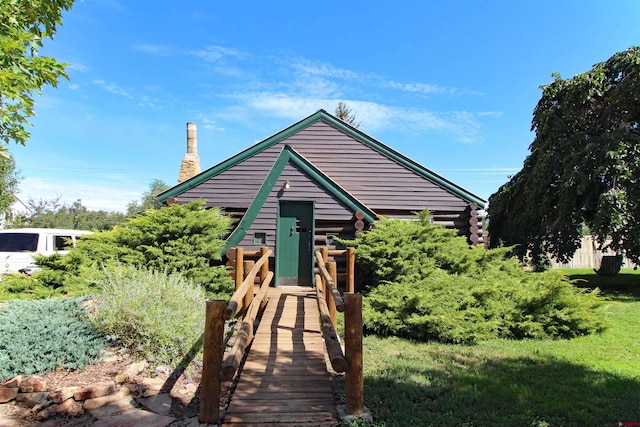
[{"x": 185, "y": 390}]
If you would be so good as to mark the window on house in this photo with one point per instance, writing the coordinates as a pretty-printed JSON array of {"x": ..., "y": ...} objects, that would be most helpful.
[{"x": 260, "y": 238}]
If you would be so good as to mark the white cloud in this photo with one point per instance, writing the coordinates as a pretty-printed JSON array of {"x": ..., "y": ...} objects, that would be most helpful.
[
  {"x": 108, "y": 195},
  {"x": 215, "y": 53},
  {"x": 113, "y": 88},
  {"x": 154, "y": 49},
  {"x": 211, "y": 124},
  {"x": 77, "y": 66},
  {"x": 494, "y": 114},
  {"x": 322, "y": 69},
  {"x": 282, "y": 104},
  {"x": 423, "y": 88},
  {"x": 373, "y": 117}
]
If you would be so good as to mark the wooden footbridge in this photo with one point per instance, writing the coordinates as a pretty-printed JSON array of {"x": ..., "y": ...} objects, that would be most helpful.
[{"x": 282, "y": 366}]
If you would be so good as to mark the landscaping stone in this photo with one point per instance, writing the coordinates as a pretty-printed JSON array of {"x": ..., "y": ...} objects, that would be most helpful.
[
  {"x": 136, "y": 368},
  {"x": 135, "y": 401},
  {"x": 40, "y": 406},
  {"x": 137, "y": 418},
  {"x": 32, "y": 384},
  {"x": 30, "y": 400},
  {"x": 98, "y": 402},
  {"x": 83, "y": 420},
  {"x": 95, "y": 390},
  {"x": 152, "y": 386},
  {"x": 365, "y": 417},
  {"x": 189, "y": 422},
  {"x": 7, "y": 394},
  {"x": 160, "y": 404},
  {"x": 122, "y": 405},
  {"x": 69, "y": 408},
  {"x": 62, "y": 394},
  {"x": 10, "y": 422},
  {"x": 13, "y": 382}
]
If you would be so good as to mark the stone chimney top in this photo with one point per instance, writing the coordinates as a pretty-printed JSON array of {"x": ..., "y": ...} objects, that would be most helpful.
[{"x": 191, "y": 161}]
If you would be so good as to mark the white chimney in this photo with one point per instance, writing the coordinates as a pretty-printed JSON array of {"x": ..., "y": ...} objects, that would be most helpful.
[{"x": 191, "y": 161}]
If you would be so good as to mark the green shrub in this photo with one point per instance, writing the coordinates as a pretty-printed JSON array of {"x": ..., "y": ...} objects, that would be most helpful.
[
  {"x": 424, "y": 282},
  {"x": 21, "y": 286},
  {"x": 158, "y": 316},
  {"x": 185, "y": 239},
  {"x": 39, "y": 336},
  {"x": 61, "y": 276}
]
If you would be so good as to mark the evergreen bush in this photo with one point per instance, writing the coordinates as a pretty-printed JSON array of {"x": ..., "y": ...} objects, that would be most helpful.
[
  {"x": 61, "y": 276},
  {"x": 158, "y": 316},
  {"x": 39, "y": 336},
  {"x": 185, "y": 239},
  {"x": 424, "y": 282},
  {"x": 20, "y": 286}
]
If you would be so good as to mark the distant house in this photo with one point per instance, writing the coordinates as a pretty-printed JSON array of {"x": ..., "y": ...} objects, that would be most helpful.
[
  {"x": 317, "y": 179},
  {"x": 17, "y": 209}
]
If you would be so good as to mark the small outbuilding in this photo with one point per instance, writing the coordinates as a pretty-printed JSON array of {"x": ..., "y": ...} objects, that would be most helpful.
[{"x": 318, "y": 179}]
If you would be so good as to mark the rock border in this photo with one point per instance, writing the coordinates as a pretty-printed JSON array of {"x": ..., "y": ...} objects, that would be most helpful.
[{"x": 129, "y": 399}]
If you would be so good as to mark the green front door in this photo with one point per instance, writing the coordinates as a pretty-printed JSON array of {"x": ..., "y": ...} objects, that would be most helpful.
[{"x": 294, "y": 246}]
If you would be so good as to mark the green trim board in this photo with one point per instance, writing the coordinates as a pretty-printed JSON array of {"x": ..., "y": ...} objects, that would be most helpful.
[
  {"x": 289, "y": 155},
  {"x": 350, "y": 130}
]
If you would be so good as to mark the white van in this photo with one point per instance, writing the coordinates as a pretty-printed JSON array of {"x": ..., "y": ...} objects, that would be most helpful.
[{"x": 18, "y": 246}]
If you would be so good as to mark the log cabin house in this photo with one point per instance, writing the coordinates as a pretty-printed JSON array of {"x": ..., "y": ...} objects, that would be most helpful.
[{"x": 320, "y": 178}]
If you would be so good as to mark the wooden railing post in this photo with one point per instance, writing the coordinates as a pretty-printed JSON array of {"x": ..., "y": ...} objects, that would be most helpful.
[
  {"x": 248, "y": 297},
  {"x": 354, "y": 378},
  {"x": 325, "y": 253},
  {"x": 333, "y": 272},
  {"x": 351, "y": 267},
  {"x": 211, "y": 362},
  {"x": 239, "y": 267},
  {"x": 265, "y": 267}
]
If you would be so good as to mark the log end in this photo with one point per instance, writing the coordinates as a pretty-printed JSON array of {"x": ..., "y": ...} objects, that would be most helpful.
[
  {"x": 226, "y": 373},
  {"x": 340, "y": 364}
]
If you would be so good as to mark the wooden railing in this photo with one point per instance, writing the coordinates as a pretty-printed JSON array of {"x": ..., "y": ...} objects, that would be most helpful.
[
  {"x": 244, "y": 300},
  {"x": 248, "y": 303},
  {"x": 329, "y": 303}
]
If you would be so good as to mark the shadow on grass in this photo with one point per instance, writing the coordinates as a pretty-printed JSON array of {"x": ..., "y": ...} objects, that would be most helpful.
[
  {"x": 507, "y": 392},
  {"x": 621, "y": 287}
]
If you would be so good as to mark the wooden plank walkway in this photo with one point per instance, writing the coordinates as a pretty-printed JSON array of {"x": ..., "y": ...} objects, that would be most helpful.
[{"x": 285, "y": 380}]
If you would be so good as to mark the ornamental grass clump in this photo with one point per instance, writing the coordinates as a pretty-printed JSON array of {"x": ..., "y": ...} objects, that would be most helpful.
[
  {"x": 38, "y": 336},
  {"x": 422, "y": 281},
  {"x": 157, "y": 316}
]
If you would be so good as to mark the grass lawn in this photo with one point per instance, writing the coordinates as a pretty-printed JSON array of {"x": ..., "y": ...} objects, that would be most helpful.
[{"x": 586, "y": 381}]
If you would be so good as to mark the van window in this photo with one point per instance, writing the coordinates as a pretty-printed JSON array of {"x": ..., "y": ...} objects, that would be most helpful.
[
  {"x": 63, "y": 243},
  {"x": 18, "y": 242}
]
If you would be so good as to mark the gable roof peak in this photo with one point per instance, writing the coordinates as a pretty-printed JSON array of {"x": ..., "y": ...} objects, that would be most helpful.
[{"x": 342, "y": 126}]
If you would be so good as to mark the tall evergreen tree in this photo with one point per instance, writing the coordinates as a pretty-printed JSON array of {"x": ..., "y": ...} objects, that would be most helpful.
[{"x": 343, "y": 112}]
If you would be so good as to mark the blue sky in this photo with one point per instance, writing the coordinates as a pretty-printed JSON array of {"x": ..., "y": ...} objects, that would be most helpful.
[{"x": 450, "y": 84}]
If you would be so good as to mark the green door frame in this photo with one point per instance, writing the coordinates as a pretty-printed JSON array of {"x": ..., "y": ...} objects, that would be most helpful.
[{"x": 295, "y": 231}]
